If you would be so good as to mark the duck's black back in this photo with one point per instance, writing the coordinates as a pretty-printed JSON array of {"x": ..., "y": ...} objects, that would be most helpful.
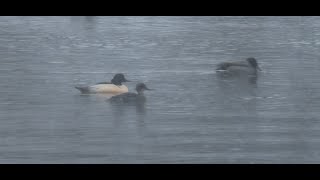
[{"x": 104, "y": 83}]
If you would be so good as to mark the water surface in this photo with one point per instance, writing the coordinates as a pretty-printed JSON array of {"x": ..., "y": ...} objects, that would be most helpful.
[{"x": 192, "y": 116}]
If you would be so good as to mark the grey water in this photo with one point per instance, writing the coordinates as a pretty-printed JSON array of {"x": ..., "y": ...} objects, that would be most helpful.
[{"x": 192, "y": 116}]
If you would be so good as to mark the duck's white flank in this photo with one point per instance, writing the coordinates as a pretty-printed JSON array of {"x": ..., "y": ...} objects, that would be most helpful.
[{"x": 108, "y": 88}]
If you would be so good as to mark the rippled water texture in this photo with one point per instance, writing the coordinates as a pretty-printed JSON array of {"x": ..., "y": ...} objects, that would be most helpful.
[{"x": 192, "y": 116}]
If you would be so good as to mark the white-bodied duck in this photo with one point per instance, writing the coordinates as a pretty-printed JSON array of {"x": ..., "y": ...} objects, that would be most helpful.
[{"x": 113, "y": 87}]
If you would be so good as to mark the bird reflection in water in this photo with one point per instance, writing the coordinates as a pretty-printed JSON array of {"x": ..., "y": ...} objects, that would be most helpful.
[{"x": 122, "y": 104}]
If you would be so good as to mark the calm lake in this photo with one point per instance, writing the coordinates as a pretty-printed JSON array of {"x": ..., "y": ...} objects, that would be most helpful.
[{"x": 192, "y": 116}]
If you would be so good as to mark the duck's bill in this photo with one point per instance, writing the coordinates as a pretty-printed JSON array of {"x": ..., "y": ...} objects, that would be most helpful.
[
  {"x": 149, "y": 89},
  {"x": 259, "y": 68},
  {"x": 126, "y": 80},
  {"x": 220, "y": 70}
]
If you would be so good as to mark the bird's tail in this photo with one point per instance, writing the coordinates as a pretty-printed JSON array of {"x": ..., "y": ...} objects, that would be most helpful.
[
  {"x": 83, "y": 90},
  {"x": 222, "y": 66}
]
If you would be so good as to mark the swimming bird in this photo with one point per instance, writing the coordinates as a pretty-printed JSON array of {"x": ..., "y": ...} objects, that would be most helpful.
[
  {"x": 130, "y": 97},
  {"x": 113, "y": 87},
  {"x": 249, "y": 66}
]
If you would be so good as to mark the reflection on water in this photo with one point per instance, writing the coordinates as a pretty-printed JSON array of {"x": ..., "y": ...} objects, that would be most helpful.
[
  {"x": 195, "y": 116},
  {"x": 121, "y": 108},
  {"x": 244, "y": 80}
]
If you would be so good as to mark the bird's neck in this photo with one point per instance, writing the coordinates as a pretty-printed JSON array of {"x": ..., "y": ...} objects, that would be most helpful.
[
  {"x": 118, "y": 83},
  {"x": 140, "y": 93}
]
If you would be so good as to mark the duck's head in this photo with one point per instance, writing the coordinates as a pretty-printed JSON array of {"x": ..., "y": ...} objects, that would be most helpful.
[
  {"x": 118, "y": 79},
  {"x": 253, "y": 62},
  {"x": 141, "y": 87}
]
